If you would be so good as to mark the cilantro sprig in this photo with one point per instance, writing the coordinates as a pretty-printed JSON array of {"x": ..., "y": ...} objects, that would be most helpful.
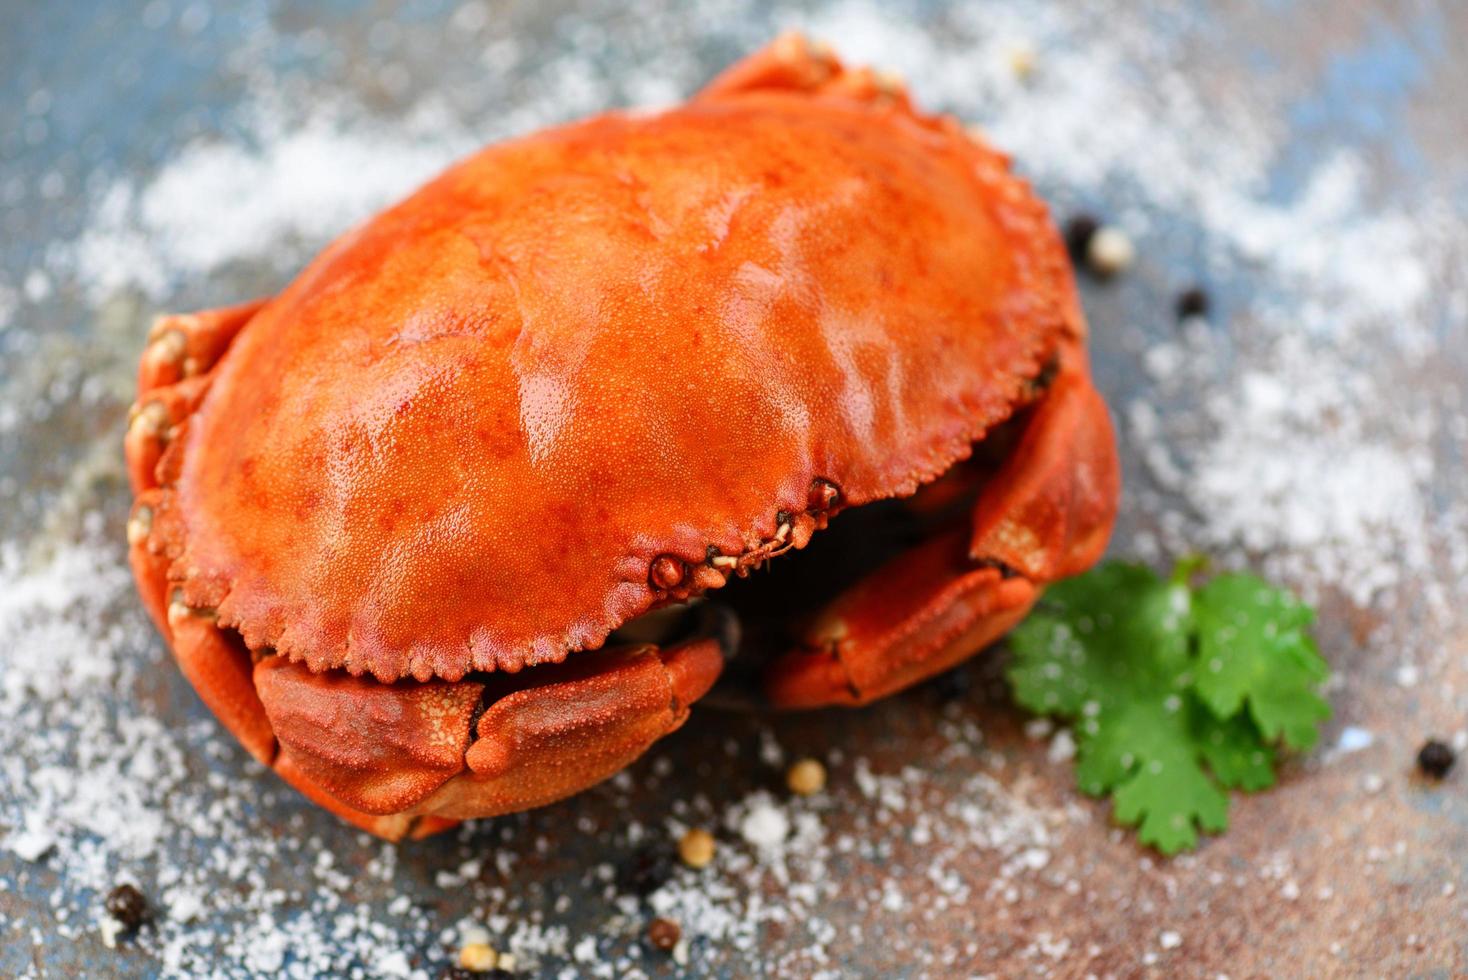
[{"x": 1176, "y": 694}]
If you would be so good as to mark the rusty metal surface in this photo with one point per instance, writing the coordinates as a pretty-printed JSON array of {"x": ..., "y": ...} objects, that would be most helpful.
[{"x": 950, "y": 842}]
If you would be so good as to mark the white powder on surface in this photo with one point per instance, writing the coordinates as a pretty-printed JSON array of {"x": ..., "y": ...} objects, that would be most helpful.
[
  {"x": 303, "y": 183},
  {"x": 765, "y": 825},
  {"x": 1299, "y": 475},
  {"x": 1279, "y": 436},
  {"x": 31, "y": 843},
  {"x": 1353, "y": 739}
]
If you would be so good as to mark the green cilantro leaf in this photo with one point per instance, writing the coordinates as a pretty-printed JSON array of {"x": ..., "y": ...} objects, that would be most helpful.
[
  {"x": 1253, "y": 646},
  {"x": 1166, "y": 796},
  {"x": 1129, "y": 658},
  {"x": 1238, "y": 755}
]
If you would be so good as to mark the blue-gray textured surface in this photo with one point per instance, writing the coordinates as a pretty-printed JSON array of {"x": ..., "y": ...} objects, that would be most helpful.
[{"x": 1353, "y": 866}]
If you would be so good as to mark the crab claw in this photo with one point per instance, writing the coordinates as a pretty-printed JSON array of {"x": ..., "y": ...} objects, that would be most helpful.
[
  {"x": 379, "y": 748},
  {"x": 1046, "y": 514},
  {"x": 877, "y": 638},
  {"x": 378, "y": 755},
  {"x": 545, "y": 743}
]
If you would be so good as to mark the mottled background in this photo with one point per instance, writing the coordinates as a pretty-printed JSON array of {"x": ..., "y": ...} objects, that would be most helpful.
[{"x": 1303, "y": 161}]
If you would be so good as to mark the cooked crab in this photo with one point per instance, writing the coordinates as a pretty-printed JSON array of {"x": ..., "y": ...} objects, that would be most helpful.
[{"x": 457, "y": 524}]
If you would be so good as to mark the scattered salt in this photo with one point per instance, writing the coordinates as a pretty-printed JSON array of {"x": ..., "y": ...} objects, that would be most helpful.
[
  {"x": 109, "y": 929},
  {"x": 31, "y": 844},
  {"x": 1354, "y": 739},
  {"x": 473, "y": 934},
  {"x": 765, "y": 825},
  {"x": 1038, "y": 728},
  {"x": 585, "y": 950},
  {"x": 1297, "y": 455},
  {"x": 1034, "y": 858},
  {"x": 1062, "y": 747}
]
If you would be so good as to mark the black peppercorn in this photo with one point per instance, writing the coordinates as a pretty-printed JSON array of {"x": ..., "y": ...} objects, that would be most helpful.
[
  {"x": 1079, "y": 231},
  {"x": 1436, "y": 758},
  {"x": 1192, "y": 302},
  {"x": 647, "y": 871},
  {"x": 128, "y": 906},
  {"x": 953, "y": 685}
]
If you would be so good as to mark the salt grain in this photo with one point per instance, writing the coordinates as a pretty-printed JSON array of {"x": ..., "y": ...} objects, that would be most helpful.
[
  {"x": 1038, "y": 728},
  {"x": 1354, "y": 739},
  {"x": 31, "y": 845},
  {"x": 765, "y": 825},
  {"x": 109, "y": 929},
  {"x": 1062, "y": 747}
]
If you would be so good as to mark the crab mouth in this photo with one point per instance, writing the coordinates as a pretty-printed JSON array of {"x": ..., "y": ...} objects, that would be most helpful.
[
  {"x": 766, "y": 609},
  {"x": 761, "y": 615}
]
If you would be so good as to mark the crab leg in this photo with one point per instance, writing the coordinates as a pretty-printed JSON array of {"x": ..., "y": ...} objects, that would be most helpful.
[
  {"x": 154, "y": 422},
  {"x": 376, "y": 754},
  {"x": 218, "y": 666},
  {"x": 172, "y": 378},
  {"x": 1046, "y": 514},
  {"x": 216, "y": 663},
  {"x": 184, "y": 345},
  {"x": 793, "y": 62},
  {"x": 145, "y": 555}
]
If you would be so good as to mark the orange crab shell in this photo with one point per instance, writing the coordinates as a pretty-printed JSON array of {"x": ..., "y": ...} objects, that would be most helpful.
[
  {"x": 590, "y": 372},
  {"x": 626, "y": 338}
]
